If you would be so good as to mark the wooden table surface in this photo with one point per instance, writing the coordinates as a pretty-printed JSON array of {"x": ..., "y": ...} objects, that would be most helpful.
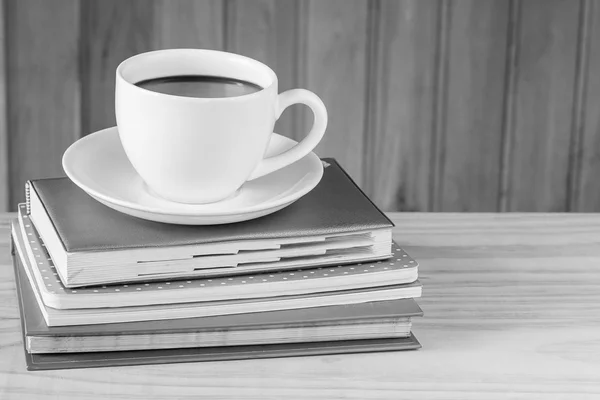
[{"x": 512, "y": 310}]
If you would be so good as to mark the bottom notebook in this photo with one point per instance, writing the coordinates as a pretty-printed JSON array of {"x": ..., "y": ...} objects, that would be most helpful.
[{"x": 143, "y": 357}]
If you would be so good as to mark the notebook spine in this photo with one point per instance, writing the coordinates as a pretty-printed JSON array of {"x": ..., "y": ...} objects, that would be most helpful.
[{"x": 28, "y": 197}]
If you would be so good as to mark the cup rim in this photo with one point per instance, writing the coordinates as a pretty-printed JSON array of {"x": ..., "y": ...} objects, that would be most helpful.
[{"x": 121, "y": 78}]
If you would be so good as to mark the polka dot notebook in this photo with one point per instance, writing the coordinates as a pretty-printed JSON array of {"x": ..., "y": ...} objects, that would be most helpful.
[{"x": 400, "y": 269}]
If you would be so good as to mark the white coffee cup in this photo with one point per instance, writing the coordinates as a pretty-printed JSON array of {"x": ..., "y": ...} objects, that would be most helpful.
[{"x": 202, "y": 150}]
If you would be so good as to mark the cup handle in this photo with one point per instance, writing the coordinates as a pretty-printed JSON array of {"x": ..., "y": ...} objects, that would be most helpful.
[{"x": 286, "y": 99}]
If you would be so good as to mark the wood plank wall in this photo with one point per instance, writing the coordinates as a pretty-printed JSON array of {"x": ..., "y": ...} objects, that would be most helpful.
[{"x": 435, "y": 105}]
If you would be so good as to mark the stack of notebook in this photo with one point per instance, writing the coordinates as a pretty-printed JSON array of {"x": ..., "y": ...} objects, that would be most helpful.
[{"x": 98, "y": 288}]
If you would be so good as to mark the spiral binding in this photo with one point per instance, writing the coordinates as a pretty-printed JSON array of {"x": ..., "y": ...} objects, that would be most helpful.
[{"x": 28, "y": 197}]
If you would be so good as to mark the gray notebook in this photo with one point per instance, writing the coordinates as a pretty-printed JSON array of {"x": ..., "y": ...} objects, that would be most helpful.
[
  {"x": 336, "y": 205},
  {"x": 91, "y": 244},
  {"x": 144, "y": 357}
]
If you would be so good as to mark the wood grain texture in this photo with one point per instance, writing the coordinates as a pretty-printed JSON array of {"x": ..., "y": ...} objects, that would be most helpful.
[
  {"x": 44, "y": 115},
  {"x": 439, "y": 107},
  {"x": 400, "y": 113},
  {"x": 543, "y": 105},
  {"x": 4, "y": 151},
  {"x": 471, "y": 141},
  {"x": 189, "y": 24},
  {"x": 511, "y": 306},
  {"x": 113, "y": 30},
  {"x": 588, "y": 185},
  {"x": 335, "y": 68},
  {"x": 508, "y": 106},
  {"x": 453, "y": 105},
  {"x": 574, "y": 178},
  {"x": 267, "y": 30}
]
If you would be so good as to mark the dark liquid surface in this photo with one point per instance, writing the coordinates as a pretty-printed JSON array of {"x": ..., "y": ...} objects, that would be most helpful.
[{"x": 199, "y": 86}]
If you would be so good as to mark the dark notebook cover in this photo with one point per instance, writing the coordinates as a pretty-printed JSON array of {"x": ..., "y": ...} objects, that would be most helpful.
[
  {"x": 144, "y": 357},
  {"x": 31, "y": 321},
  {"x": 336, "y": 205}
]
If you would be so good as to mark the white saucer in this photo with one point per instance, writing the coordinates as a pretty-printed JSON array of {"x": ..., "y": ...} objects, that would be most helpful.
[{"x": 97, "y": 164}]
